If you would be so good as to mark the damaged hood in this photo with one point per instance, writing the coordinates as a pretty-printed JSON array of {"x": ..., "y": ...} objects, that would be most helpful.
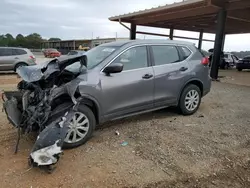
[{"x": 35, "y": 73}]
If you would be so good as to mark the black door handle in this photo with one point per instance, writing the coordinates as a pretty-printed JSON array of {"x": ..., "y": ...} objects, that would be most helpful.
[
  {"x": 147, "y": 76},
  {"x": 183, "y": 69}
]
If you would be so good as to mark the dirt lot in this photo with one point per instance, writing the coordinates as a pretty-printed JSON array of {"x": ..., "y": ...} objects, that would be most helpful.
[{"x": 208, "y": 149}]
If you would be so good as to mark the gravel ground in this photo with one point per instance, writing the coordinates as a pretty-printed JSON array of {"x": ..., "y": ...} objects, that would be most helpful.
[{"x": 208, "y": 149}]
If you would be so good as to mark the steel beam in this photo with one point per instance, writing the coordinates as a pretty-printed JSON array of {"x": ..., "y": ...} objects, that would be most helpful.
[
  {"x": 200, "y": 39},
  {"x": 220, "y": 31},
  {"x": 223, "y": 42},
  {"x": 133, "y": 31},
  {"x": 171, "y": 33}
]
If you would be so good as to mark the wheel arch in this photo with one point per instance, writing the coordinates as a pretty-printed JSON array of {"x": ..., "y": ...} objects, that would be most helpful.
[
  {"x": 84, "y": 100},
  {"x": 19, "y": 62},
  {"x": 194, "y": 81},
  {"x": 93, "y": 105}
]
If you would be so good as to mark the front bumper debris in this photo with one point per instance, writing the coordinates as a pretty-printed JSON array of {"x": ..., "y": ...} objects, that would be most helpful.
[{"x": 48, "y": 146}]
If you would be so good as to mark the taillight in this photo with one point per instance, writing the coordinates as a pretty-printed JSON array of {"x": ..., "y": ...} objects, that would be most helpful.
[
  {"x": 205, "y": 61},
  {"x": 33, "y": 58}
]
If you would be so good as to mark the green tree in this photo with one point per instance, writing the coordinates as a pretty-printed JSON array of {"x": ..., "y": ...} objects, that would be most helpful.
[
  {"x": 20, "y": 41},
  {"x": 54, "y": 39},
  {"x": 33, "y": 40},
  {"x": 3, "y": 40}
]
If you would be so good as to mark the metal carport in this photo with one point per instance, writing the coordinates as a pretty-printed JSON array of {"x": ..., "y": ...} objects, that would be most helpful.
[{"x": 221, "y": 17}]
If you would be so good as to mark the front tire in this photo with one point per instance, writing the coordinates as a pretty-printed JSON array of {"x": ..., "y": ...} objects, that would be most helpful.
[
  {"x": 190, "y": 99},
  {"x": 87, "y": 130},
  {"x": 81, "y": 128}
]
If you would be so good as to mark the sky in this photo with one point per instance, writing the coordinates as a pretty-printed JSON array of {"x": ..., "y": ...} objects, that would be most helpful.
[{"x": 84, "y": 19}]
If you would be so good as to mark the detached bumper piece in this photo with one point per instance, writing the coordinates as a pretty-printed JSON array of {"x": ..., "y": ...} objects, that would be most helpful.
[{"x": 48, "y": 146}]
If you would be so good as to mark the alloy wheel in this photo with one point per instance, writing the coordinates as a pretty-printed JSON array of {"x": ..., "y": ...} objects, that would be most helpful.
[
  {"x": 78, "y": 129},
  {"x": 192, "y": 100}
]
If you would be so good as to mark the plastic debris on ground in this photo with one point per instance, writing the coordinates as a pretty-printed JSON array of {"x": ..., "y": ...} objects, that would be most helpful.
[{"x": 124, "y": 143}]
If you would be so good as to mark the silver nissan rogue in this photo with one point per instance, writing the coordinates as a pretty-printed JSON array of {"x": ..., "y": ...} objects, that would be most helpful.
[{"x": 65, "y": 98}]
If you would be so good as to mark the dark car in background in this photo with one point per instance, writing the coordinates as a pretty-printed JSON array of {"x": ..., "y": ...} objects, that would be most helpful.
[
  {"x": 12, "y": 57},
  {"x": 243, "y": 63},
  {"x": 76, "y": 52}
]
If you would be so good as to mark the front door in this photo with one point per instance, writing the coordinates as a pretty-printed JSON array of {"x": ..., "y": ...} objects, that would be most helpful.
[
  {"x": 131, "y": 90},
  {"x": 170, "y": 71}
]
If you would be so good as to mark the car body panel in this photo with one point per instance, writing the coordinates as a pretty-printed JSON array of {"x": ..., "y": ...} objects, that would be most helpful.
[
  {"x": 168, "y": 79},
  {"x": 117, "y": 94},
  {"x": 127, "y": 92}
]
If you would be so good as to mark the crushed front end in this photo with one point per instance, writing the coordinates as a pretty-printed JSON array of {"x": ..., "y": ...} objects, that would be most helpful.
[{"x": 30, "y": 108}]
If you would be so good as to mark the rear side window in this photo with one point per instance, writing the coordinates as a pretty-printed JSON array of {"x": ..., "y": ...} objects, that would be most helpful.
[
  {"x": 5, "y": 52},
  {"x": 186, "y": 52},
  {"x": 18, "y": 52},
  {"x": 165, "y": 55}
]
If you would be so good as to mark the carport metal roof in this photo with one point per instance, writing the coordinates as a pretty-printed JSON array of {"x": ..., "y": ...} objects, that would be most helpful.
[{"x": 194, "y": 15}]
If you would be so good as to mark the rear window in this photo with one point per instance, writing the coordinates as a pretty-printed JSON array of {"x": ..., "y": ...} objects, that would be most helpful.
[
  {"x": 5, "y": 52},
  {"x": 18, "y": 52}
]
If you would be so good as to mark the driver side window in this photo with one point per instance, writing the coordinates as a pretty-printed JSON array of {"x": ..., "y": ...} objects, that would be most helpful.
[{"x": 133, "y": 58}]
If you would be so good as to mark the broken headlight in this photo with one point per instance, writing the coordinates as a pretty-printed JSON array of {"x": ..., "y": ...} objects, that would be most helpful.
[{"x": 47, "y": 155}]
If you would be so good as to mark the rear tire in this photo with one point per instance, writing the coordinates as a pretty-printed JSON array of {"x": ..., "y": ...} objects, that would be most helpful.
[
  {"x": 190, "y": 99},
  {"x": 239, "y": 69}
]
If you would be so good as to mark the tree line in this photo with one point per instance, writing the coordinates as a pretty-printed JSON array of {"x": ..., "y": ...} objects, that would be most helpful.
[{"x": 32, "y": 41}]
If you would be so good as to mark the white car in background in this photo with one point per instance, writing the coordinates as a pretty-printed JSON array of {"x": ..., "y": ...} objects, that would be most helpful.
[{"x": 12, "y": 57}]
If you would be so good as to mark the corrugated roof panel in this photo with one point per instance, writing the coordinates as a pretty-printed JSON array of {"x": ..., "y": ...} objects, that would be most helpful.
[{"x": 159, "y": 8}]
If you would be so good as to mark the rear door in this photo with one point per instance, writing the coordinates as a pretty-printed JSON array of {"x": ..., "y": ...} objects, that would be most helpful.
[
  {"x": 131, "y": 90},
  {"x": 171, "y": 71},
  {"x": 6, "y": 59}
]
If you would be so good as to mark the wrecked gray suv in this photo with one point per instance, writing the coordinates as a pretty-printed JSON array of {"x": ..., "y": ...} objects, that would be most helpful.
[{"x": 65, "y": 98}]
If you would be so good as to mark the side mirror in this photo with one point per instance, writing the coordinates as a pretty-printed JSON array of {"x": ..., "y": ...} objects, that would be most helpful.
[{"x": 113, "y": 68}]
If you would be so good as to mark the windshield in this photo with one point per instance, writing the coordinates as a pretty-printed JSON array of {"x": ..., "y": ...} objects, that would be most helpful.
[{"x": 98, "y": 54}]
